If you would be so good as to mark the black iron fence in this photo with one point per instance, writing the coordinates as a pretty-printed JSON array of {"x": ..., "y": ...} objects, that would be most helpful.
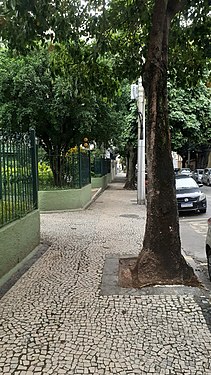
[
  {"x": 70, "y": 171},
  {"x": 100, "y": 166},
  {"x": 18, "y": 175}
]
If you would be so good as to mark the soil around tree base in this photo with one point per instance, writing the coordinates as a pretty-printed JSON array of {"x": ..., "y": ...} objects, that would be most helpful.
[
  {"x": 129, "y": 186},
  {"x": 126, "y": 277}
]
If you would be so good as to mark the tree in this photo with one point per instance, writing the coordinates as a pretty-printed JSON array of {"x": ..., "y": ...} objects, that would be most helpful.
[
  {"x": 189, "y": 118},
  {"x": 160, "y": 260},
  {"x": 31, "y": 96},
  {"x": 26, "y": 24},
  {"x": 189, "y": 52},
  {"x": 63, "y": 105}
]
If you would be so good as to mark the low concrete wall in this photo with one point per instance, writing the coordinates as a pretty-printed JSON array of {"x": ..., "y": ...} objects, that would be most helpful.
[
  {"x": 56, "y": 200},
  {"x": 109, "y": 178},
  {"x": 209, "y": 161},
  {"x": 18, "y": 239},
  {"x": 99, "y": 182}
]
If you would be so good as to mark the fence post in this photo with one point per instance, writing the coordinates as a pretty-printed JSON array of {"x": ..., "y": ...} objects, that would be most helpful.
[
  {"x": 89, "y": 154},
  {"x": 79, "y": 167},
  {"x": 34, "y": 167},
  {"x": 1, "y": 144},
  {"x": 102, "y": 167}
]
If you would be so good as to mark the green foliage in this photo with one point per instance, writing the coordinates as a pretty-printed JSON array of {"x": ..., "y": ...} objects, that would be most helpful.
[
  {"x": 62, "y": 103},
  {"x": 45, "y": 176},
  {"x": 25, "y": 23},
  {"x": 66, "y": 93},
  {"x": 117, "y": 27},
  {"x": 96, "y": 153},
  {"x": 190, "y": 116},
  {"x": 126, "y": 116},
  {"x": 189, "y": 54}
]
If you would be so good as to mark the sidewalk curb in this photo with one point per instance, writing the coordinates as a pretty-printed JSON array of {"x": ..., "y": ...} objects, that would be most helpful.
[
  {"x": 94, "y": 197},
  {"x": 197, "y": 270},
  {"x": 8, "y": 280}
]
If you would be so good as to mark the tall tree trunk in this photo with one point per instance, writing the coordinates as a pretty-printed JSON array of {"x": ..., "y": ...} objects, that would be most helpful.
[
  {"x": 131, "y": 164},
  {"x": 160, "y": 260}
]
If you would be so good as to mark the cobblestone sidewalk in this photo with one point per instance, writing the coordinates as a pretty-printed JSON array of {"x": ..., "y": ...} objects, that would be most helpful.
[{"x": 55, "y": 320}]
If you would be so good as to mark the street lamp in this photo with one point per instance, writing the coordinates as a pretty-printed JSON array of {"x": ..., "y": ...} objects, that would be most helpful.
[
  {"x": 141, "y": 144},
  {"x": 137, "y": 92}
]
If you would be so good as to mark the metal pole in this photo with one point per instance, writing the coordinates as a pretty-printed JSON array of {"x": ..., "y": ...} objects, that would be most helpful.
[
  {"x": 34, "y": 167},
  {"x": 79, "y": 167},
  {"x": 188, "y": 158},
  {"x": 89, "y": 161},
  {"x": 141, "y": 145},
  {"x": 1, "y": 145}
]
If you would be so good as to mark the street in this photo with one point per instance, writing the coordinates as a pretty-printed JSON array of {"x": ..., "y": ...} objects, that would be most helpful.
[{"x": 193, "y": 229}]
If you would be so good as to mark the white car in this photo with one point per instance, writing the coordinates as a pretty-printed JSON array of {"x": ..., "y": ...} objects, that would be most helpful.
[
  {"x": 208, "y": 247},
  {"x": 186, "y": 171},
  {"x": 197, "y": 175}
]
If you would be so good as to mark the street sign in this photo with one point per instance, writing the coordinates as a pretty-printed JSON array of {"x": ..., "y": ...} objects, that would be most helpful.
[{"x": 134, "y": 91}]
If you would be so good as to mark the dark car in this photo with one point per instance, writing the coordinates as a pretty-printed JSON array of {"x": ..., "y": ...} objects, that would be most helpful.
[
  {"x": 189, "y": 196},
  {"x": 197, "y": 175}
]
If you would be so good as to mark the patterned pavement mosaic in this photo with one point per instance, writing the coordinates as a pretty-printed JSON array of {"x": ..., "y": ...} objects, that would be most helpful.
[{"x": 55, "y": 320}]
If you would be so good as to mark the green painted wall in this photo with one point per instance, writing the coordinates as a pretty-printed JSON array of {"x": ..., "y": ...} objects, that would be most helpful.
[
  {"x": 99, "y": 182},
  {"x": 109, "y": 178},
  {"x": 18, "y": 239},
  {"x": 56, "y": 200}
]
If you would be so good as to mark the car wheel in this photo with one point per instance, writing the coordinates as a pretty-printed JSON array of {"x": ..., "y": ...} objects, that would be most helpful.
[
  {"x": 209, "y": 262},
  {"x": 203, "y": 211}
]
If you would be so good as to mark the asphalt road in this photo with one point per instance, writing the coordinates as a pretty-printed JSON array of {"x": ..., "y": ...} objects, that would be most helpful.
[{"x": 193, "y": 229}]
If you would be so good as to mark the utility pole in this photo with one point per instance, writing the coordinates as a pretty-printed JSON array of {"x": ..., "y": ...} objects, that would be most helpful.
[
  {"x": 141, "y": 144},
  {"x": 137, "y": 93}
]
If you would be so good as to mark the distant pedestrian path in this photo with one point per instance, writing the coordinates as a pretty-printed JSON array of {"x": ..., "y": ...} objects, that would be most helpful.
[{"x": 118, "y": 181}]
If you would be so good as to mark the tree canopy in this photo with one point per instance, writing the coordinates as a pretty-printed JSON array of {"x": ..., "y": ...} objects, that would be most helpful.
[
  {"x": 63, "y": 104},
  {"x": 189, "y": 116},
  {"x": 26, "y": 23},
  {"x": 116, "y": 26}
]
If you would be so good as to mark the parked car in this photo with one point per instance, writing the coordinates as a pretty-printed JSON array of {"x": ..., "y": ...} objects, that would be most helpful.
[
  {"x": 177, "y": 171},
  {"x": 206, "y": 176},
  {"x": 189, "y": 196},
  {"x": 208, "y": 247},
  {"x": 197, "y": 175},
  {"x": 186, "y": 171}
]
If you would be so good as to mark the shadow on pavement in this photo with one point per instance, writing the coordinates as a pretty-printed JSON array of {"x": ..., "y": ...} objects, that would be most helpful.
[{"x": 204, "y": 303}]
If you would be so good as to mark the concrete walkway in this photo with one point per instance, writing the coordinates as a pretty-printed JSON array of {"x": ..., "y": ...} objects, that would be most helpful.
[{"x": 56, "y": 320}]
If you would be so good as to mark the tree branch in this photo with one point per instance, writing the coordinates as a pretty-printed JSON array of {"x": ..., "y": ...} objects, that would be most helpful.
[{"x": 175, "y": 6}]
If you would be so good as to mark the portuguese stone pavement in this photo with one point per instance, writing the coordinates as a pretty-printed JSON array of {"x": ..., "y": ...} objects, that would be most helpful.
[{"x": 60, "y": 317}]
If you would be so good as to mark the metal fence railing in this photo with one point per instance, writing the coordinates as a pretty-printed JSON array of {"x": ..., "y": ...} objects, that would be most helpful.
[
  {"x": 64, "y": 171},
  {"x": 100, "y": 166},
  {"x": 18, "y": 175}
]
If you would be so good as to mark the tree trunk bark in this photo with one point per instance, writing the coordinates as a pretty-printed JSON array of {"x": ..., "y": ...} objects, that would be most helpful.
[
  {"x": 130, "y": 183},
  {"x": 160, "y": 260},
  {"x": 55, "y": 164}
]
